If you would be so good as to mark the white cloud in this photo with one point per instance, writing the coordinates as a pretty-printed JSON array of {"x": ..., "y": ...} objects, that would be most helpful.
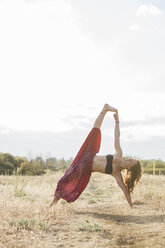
[
  {"x": 134, "y": 27},
  {"x": 148, "y": 10}
]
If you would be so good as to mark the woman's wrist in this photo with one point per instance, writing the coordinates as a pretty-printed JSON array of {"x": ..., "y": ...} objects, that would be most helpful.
[{"x": 117, "y": 122}]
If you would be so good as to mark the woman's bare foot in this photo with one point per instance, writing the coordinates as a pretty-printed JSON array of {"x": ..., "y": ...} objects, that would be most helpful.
[
  {"x": 107, "y": 107},
  {"x": 55, "y": 200}
]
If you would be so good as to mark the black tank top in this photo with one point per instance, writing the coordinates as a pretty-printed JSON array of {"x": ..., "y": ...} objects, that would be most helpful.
[{"x": 108, "y": 168}]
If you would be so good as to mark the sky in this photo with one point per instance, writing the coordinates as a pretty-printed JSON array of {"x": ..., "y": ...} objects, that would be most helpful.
[{"x": 61, "y": 60}]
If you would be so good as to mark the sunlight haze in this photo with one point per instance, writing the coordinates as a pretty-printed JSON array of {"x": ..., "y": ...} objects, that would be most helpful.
[{"x": 62, "y": 60}]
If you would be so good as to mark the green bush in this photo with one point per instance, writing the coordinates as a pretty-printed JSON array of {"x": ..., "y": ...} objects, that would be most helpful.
[
  {"x": 6, "y": 168},
  {"x": 156, "y": 171},
  {"x": 9, "y": 164},
  {"x": 152, "y": 163},
  {"x": 51, "y": 163},
  {"x": 31, "y": 168}
]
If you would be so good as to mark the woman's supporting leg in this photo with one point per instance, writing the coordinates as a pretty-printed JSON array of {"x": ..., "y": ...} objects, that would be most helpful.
[
  {"x": 99, "y": 119},
  {"x": 55, "y": 200}
]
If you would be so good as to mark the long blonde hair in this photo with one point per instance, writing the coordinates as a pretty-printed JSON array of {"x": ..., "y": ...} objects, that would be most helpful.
[{"x": 133, "y": 176}]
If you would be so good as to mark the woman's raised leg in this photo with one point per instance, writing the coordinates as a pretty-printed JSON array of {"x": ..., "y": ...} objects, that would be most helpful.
[{"x": 99, "y": 119}]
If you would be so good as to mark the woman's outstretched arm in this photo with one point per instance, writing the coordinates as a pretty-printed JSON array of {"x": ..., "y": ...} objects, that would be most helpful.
[
  {"x": 118, "y": 150},
  {"x": 99, "y": 119},
  {"x": 121, "y": 184}
]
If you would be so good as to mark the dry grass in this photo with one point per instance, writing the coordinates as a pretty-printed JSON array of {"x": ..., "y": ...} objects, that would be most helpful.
[{"x": 101, "y": 217}]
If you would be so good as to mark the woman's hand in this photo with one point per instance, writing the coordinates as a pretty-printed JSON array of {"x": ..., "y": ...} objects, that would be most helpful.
[{"x": 116, "y": 116}]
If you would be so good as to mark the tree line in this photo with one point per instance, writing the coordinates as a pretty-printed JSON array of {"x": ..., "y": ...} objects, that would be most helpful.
[
  {"x": 154, "y": 167},
  {"x": 10, "y": 165}
]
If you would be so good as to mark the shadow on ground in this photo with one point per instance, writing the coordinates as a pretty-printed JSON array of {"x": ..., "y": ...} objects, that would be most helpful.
[{"x": 125, "y": 218}]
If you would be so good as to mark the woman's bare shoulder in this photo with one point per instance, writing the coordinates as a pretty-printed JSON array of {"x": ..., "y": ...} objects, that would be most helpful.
[{"x": 117, "y": 158}]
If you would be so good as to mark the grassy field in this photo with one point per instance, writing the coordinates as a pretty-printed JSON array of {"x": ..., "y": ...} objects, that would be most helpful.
[{"x": 101, "y": 216}]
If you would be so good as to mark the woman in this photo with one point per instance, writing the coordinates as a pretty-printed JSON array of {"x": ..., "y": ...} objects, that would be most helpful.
[{"x": 76, "y": 178}]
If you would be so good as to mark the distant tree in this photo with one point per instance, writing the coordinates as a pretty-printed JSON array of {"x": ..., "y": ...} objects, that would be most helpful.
[
  {"x": 63, "y": 164},
  {"x": 15, "y": 161},
  {"x": 51, "y": 163},
  {"x": 6, "y": 168},
  {"x": 31, "y": 168},
  {"x": 20, "y": 160}
]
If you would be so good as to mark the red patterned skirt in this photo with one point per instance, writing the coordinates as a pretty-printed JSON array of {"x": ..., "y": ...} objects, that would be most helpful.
[{"x": 76, "y": 178}]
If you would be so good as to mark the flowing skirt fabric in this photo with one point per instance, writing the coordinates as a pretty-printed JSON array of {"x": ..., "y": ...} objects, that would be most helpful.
[{"x": 76, "y": 178}]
